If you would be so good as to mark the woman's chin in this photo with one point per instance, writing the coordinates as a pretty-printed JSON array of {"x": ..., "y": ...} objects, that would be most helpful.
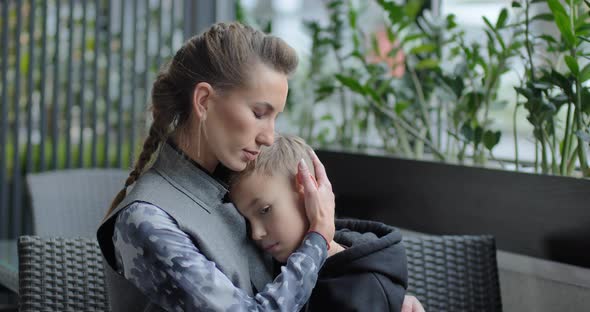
[{"x": 236, "y": 165}]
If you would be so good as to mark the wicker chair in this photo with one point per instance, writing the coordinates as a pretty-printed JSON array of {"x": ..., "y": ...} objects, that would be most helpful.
[
  {"x": 446, "y": 273},
  {"x": 71, "y": 203},
  {"x": 59, "y": 274},
  {"x": 454, "y": 273}
]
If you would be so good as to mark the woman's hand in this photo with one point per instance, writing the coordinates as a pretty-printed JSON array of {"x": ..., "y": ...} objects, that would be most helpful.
[
  {"x": 411, "y": 304},
  {"x": 319, "y": 198}
]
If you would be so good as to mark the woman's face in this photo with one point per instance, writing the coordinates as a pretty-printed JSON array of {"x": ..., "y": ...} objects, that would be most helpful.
[{"x": 239, "y": 122}]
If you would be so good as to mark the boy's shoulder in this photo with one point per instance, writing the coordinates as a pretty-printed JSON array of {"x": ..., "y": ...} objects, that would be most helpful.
[{"x": 370, "y": 275}]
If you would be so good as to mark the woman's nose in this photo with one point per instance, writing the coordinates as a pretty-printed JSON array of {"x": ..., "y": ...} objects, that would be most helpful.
[{"x": 267, "y": 135}]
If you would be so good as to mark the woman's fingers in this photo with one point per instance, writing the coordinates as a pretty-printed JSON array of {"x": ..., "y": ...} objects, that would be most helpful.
[
  {"x": 304, "y": 177},
  {"x": 319, "y": 202},
  {"x": 411, "y": 304},
  {"x": 320, "y": 170}
]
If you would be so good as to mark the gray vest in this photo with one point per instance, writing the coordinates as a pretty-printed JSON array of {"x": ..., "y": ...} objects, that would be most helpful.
[{"x": 194, "y": 199}]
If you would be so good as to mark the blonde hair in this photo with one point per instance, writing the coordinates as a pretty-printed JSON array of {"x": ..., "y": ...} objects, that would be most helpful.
[{"x": 281, "y": 158}]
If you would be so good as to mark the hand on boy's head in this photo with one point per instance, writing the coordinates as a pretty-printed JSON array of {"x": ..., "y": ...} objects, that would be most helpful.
[{"x": 318, "y": 198}]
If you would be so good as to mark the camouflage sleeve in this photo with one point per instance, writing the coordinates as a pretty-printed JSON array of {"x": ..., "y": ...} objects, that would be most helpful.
[{"x": 163, "y": 262}]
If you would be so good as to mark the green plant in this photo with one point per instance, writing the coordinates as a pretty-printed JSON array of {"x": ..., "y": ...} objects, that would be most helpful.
[
  {"x": 440, "y": 103},
  {"x": 548, "y": 91},
  {"x": 412, "y": 112}
]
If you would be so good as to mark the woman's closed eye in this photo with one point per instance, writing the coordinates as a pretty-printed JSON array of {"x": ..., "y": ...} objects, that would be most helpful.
[
  {"x": 258, "y": 113},
  {"x": 264, "y": 210}
]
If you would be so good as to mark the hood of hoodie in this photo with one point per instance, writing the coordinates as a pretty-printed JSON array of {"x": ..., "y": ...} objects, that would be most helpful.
[{"x": 370, "y": 247}]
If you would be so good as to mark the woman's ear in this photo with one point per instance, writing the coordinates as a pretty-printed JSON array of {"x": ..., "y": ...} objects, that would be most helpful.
[{"x": 202, "y": 95}]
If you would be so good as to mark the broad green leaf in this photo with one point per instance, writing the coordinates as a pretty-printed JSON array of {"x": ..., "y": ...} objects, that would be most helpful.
[
  {"x": 413, "y": 37},
  {"x": 335, "y": 4},
  {"x": 491, "y": 47},
  {"x": 572, "y": 64},
  {"x": 351, "y": 84},
  {"x": 327, "y": 117},
  {"x": 582, "y": 30},
  {"x": 516, "y": 4},
  {"x": 401, "y": 106},
  {"x": 491, "y": 139},
  {"x": 412, "y": 8},
  {"x": 548, "y": 38},
  {"x": 467, "y": 132},
  {"x": 451, "y": 21},
  {"x": 394, "y": 11},
  {"x": 556, "y": 7},
  {"x": 363, "y": 123},
  {"x": 478, "y": 135},
  {"x": 526, "y": 92},
  {"x": 563, "y": 24},
  {"x": 560, "y": 80},
  {"x": 427, "y": 64},
  {"x": 352, "y": 15},
  {"x": 543, "y": 17},
  {"x": 501, "y": 22},
  {"x": 425, "y": 48},
  {"x": 324, "y": 91},
  {"x": 585, "y": 73},
  {"x": 372, "y": 93}
]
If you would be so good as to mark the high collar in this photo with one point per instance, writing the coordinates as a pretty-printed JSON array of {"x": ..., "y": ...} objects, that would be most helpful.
[{"x": 179, "y": 168}]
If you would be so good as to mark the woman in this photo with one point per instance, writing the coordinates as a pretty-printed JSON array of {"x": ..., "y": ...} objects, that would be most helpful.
[{"x": 172, "y": 243}]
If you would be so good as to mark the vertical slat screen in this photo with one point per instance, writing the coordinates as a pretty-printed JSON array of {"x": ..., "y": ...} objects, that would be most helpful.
[
  {"x": 16, "y": 111},
  {"x": 3, "y": 126},
  {"x": 74, "y": 87}
]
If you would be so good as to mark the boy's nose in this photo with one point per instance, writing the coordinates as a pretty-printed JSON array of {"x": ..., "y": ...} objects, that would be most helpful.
[{"x": 258, "y": 233}]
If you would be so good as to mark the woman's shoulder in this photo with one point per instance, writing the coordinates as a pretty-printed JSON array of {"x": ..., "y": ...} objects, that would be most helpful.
[{"x": 144, "y": 216}]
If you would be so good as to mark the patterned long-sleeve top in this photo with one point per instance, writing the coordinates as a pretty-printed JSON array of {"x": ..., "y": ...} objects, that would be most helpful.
[{"x": 164, "y": 264}]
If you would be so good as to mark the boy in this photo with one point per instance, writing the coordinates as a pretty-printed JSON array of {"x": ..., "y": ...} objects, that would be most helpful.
[{"x": 367, "y": 267}]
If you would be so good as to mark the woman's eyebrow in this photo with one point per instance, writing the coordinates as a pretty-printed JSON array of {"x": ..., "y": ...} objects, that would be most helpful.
[{"x": 266, "y": 105}]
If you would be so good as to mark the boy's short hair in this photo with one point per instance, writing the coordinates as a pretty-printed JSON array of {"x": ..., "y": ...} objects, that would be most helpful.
[{"x": 281, "y": 158}]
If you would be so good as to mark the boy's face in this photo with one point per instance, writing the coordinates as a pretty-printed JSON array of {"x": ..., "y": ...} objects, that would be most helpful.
[{"x": 275, "y": 211}]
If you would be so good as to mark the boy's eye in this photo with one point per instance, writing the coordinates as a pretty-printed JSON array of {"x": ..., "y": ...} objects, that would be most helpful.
[{"x": 265, "y": 210}]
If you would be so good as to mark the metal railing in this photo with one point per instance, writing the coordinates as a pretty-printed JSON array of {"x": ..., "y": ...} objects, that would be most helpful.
[{"x": 75, "y": 83}]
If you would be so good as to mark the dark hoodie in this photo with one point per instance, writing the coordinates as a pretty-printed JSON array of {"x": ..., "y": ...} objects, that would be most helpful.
[{"x": 370, "y": 275}]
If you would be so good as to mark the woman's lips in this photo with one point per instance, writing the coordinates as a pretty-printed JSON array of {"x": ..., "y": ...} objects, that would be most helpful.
[{"x": 250, "y": 155}]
